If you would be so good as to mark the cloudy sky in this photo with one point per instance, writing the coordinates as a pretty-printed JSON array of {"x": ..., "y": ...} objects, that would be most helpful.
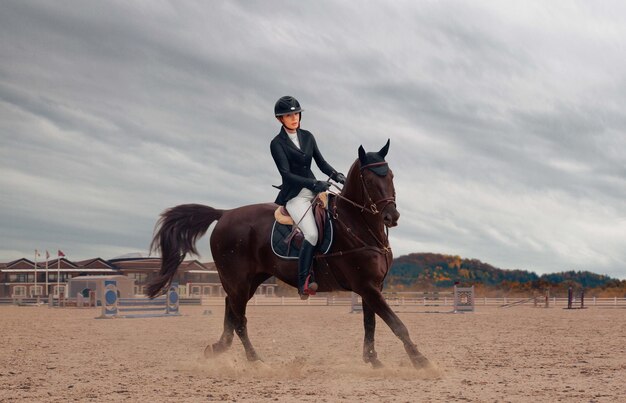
[{"x": 506, "y": 119}]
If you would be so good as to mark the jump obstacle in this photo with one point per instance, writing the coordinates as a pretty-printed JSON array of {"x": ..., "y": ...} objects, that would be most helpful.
[
  {"x": 462, "y": 299},
  {"x": 115, "y": 307},
  {"x": 571, "y": 299},
  {"x": 536, "y": 301}
]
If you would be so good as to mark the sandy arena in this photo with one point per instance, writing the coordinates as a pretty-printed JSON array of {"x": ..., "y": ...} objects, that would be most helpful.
[{"x": 312, "y": 354}]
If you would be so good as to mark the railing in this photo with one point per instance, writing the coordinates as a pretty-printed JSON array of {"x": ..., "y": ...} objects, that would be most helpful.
[
  {"x": 392, "y": 299},
  {"x": 259, "y": 300},
  {"x": 553, "y": 301},
  {"x": 442, "y": 300}
]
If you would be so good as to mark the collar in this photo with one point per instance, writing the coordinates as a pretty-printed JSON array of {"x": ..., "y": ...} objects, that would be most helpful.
[{"x": 285, "y": 137}]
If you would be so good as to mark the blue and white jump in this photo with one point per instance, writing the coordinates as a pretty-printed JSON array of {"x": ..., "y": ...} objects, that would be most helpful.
[{"x": 115, "y": 307}]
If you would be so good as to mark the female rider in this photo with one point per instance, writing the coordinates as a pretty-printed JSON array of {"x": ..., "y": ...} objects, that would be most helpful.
[{"x": 293, "y": 149}]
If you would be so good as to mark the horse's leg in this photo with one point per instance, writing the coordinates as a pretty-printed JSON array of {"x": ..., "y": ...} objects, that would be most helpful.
[
  {"x": 226, "y": 340},
  {"x": 235, "y": 317},
  {"x": 240, "y": 322},
  {"x": 369, "y": 322},
  {"x": 377, "y": 303}
]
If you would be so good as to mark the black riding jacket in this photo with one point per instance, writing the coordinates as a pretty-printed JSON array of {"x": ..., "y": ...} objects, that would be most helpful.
[{"x": 294, "y": 164}]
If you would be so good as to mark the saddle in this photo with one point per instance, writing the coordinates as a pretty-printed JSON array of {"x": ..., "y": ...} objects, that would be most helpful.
[
  {"x": 287, "y": 238},
  {"x": 282, "y": 215}
]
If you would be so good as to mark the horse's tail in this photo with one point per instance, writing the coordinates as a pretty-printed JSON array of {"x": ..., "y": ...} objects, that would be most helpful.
[{"x": 175, "y": 235}]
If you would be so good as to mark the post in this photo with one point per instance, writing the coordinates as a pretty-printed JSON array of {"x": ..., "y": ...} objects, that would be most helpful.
[
  {"x": 36, "y": 253},
  {"x": 109, "y": 299},
  {"x": 570, "y": 297},
  {"x": 463, "y": 299},
  {"x": 172, "y": 302},
  {"x": 59, "y": 275},
  {"x": 582, "y": 298},
  {"x": 47, "y": 293}
]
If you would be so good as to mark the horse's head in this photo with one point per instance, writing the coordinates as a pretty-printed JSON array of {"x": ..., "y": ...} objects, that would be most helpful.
[{"x": 376, "y": 178}]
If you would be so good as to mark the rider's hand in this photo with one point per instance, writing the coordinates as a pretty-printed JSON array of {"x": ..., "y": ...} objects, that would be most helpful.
[
  {"x": 321, "y": 186},
  {"x": 341, "y": 178}
]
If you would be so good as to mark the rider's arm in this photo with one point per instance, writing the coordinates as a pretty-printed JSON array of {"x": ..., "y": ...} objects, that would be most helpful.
[{"x": 321, "y": 162}]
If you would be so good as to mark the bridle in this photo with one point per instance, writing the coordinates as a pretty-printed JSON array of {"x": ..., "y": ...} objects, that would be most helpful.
[
  {"x": 382, "y": 247},
  {"x": 372, "y": 208}
]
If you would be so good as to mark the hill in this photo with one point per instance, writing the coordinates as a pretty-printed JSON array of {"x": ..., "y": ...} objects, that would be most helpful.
[{"x": 427, "y": 271}]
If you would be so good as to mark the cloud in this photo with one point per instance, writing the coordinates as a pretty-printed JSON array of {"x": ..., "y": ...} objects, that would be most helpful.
[{"x": 505, "y": 120}]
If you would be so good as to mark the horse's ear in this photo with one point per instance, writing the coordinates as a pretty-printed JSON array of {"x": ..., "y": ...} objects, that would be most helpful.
[
  {"x": 362, "y": 156},
  {"x": 383, "y": 151}
]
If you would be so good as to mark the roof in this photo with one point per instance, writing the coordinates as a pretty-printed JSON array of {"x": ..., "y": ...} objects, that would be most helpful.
[
  {"x": 155, "y": 264},
  {"x": 95, "y": 263},
  {"x": 109, "y": 277},
  {"x": 99, "y": 265}
]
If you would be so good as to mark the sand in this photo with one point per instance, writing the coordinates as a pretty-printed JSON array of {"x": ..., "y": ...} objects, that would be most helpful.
[{"x": 312, "y": 354}]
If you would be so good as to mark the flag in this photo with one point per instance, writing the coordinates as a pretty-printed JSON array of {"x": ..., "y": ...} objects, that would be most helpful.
[
  {"x": 60, "y": 253},
  {"x": 47, "y": 255},
  {"x": 37, "y": 253}
]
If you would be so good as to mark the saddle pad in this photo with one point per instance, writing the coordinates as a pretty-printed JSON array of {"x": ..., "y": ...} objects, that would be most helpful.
[{"x": 280, "y": 232}]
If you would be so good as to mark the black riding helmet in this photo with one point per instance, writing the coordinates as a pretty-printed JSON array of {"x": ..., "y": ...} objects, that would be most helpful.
[{"x": 286, "y": 105}]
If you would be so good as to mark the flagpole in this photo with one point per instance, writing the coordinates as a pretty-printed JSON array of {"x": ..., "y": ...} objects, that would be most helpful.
[
  {"x": 36, "y": 252},
  {"x": 58, "y": 276},
  {"x": 47, "y": 257}
]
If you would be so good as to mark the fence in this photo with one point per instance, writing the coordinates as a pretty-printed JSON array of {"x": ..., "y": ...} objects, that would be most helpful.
[
  {"x": 333, "y": 300},
  {"x": 398, "y": 299},
  {"x": 260, "y": 300}
]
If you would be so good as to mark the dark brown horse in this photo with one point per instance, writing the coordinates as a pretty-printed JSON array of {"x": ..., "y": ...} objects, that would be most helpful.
[{"x": 358, "y": 261}]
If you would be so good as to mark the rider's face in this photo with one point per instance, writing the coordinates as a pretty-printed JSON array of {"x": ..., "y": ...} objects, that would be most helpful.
[{"x": 291, "y": 121}]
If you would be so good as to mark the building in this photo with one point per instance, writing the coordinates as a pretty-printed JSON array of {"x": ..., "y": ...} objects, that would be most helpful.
[{"x": 23, "y": 278}]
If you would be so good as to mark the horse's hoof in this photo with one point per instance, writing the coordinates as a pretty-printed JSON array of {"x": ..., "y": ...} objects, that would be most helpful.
[
  {"x": 253, "y": 357},
  {"x": 261, "y": 365},
  {"x": 421, "y": 362},
  {"x": 376, "y": 364},
  {"x": 208, "y": 352}
]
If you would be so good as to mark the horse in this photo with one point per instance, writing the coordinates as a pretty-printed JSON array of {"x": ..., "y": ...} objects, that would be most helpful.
[{"x": 358, "y": 260}]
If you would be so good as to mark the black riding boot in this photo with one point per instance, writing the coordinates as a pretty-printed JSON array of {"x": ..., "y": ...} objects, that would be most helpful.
[{"x": 304, "y": 267}]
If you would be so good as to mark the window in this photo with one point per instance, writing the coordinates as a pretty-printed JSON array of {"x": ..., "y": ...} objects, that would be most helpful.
[
  {"x": 55, "y": 290},
  {"x": 36, "y": 290},
  {"x": 19, "y": 291},
  {"x": 140, "y": 278},
  {"x": 52, "y": 277},
  {"x": 21, "y": 278}
]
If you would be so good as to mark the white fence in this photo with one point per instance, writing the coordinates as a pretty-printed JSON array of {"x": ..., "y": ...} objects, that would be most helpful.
[
  {"x": 260, "y": 300},
  {"x": 395, "y": 300}
]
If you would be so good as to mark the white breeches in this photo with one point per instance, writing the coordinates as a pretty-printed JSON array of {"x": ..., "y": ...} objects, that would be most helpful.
[{"x": 306, "y": 221}]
